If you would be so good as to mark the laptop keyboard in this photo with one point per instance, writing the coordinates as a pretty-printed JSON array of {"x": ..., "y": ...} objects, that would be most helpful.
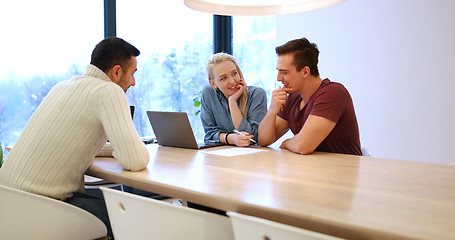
[{"x": 208, "y": 144}]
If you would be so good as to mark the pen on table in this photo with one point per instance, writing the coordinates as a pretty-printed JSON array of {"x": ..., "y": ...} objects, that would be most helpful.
[{"x": 236, "y": 131}]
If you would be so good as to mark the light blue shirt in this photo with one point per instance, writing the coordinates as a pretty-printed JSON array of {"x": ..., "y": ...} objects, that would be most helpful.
[{"x": 216, "y": 118}]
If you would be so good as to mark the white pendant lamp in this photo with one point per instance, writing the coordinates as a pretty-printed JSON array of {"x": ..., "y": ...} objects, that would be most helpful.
[{"x": 257, "y": 7}]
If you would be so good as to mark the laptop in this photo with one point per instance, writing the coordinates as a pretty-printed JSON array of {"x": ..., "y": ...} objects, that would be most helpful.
[
  {"x": 174, "y": 129},
  {"x": 132, "y": 111}
]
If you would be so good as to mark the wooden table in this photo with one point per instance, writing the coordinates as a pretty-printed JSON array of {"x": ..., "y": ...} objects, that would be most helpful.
[{"x": 341, "y": 195}]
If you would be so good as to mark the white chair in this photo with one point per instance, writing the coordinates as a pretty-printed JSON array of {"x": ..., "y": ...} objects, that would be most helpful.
[
  {"x": 137, "y": 217},
  {"x": 25, "y": 215},
  {"x": 253, "y": 228},
  {"x": 366, "y": 152}
]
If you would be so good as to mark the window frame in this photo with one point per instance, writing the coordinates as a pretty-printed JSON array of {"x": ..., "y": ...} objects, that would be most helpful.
[{"x": 222, "y": 28}]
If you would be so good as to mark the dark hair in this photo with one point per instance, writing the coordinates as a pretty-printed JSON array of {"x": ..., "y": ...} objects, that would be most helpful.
[
  {"x": 112, "y": 51},
  {"x": 305, "y": 54}
]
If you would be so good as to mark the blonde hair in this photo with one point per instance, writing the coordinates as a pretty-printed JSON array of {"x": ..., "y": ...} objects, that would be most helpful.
[{"x": 220, "y": 57}]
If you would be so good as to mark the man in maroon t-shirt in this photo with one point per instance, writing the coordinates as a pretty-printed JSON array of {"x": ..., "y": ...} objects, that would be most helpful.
[{"x": 319, "y": 112}]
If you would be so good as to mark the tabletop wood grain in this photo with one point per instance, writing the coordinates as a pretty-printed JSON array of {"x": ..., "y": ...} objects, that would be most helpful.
[{"x": 342, "y": 195}]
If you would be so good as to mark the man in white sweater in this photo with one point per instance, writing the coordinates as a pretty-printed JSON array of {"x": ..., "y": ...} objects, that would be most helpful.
[{"x": 72, "y": 124}]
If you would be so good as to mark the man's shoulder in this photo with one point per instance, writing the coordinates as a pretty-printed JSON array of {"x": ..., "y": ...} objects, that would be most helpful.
[
  {"x": 334, "y": 89},
  {"x": 81, "y": 82},
  {"x": 97, "y": 83},
  {"x": 329, "y": 85},
  {"x": 332, "y": 93},
  {"x": 95, "y": 89}
]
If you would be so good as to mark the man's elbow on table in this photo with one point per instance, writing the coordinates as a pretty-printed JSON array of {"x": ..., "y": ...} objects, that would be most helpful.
[
  {"x": 305, "y": 151},
  {"x": 297, "y": 147},
  {"x": 263, "y": 143},
  {"x": 302, "y": 150},
  {"x": 264, "y": 139},
  {"x": 135, "y": 164},
  {"x": 136, "y": 167}
]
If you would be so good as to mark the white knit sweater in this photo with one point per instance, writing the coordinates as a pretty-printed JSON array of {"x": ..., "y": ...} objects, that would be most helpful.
[{"x": 69, "y": 127}]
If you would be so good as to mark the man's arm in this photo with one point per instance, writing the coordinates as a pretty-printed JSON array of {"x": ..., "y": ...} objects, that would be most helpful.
[
  {"x": 273, "y": 127},
  {"x": 313, "y": 132},
  {"x": 114, "y": 112}
]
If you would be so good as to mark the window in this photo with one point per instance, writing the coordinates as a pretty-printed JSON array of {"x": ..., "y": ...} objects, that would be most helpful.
[
  {"x": 40, "y": 47},
  {"x": 175, "y": 43},
  {"x": 254, "y": 42}
]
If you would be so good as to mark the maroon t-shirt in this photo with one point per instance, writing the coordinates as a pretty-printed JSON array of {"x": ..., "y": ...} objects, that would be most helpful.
[{"x": 331, "y": 101}]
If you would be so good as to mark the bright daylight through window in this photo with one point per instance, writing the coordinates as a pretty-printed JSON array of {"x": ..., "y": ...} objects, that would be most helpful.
[
  {"x": 40, "y": 46},
  {"x": 45, "y": 47}
]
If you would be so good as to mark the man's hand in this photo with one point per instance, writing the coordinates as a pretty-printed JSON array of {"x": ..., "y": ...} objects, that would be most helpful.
[
  {"x": 273, "y": 127},
  {"x": 278, "y": 99},
  {"x": 284, "y": 144}
]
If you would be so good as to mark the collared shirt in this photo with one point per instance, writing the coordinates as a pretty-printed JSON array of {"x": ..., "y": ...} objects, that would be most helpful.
[{"x": 216, "y": 118}]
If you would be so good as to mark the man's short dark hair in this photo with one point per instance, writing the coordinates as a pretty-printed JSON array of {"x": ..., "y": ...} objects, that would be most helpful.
[
  {"x": 112, "y": 51},
  {"x": 305, "y": 54}
]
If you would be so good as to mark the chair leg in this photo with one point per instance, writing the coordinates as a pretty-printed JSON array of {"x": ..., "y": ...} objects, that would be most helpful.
[{"x": 82, "y": 184}]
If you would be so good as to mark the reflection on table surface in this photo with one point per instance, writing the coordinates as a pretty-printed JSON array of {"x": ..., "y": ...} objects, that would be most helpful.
[{"x": 342, "y": 195}]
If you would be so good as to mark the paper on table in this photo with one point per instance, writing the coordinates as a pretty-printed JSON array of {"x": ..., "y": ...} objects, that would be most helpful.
[{"x": 235, "y": 151}]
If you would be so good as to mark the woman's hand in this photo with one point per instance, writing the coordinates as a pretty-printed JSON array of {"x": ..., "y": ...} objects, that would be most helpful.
[
  {"x": 239, "y": 92},
  {"x": 242, "y": 141}
]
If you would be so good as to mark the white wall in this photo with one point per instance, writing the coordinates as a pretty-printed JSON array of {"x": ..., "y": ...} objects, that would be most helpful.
[{"x": 397, "y": 59}]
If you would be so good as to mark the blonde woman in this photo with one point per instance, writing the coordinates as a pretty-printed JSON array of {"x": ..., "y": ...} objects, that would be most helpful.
[{"x": 230, "y": 110}]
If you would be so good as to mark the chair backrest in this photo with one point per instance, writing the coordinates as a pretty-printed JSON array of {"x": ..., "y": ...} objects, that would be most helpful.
[
  {"x": 253, "y": 228},
  {"x": 367, "y": 152},
  {"x": 25, "y": 215},
  {"x": 137, "y": 217}
]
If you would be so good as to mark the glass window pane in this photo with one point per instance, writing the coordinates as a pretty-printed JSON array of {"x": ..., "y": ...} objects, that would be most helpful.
[
  {"x": 254, "y": 42},
  {"x": 175, "y": 43},
  {"x": 42, "y": 43}
]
